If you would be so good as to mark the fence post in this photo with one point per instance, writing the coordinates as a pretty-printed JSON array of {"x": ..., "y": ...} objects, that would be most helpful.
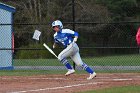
[{"x": 73, "y": 25}]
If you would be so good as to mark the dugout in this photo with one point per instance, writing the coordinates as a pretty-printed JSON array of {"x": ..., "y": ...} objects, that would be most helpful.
[{"x": 6, "y": 36}]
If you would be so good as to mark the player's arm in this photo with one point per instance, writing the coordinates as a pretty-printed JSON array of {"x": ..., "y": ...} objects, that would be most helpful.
[
  {"x": 72, "y": 33},
  {"x": 75, "y": 36},
  {"x": 54, "y": 45}
]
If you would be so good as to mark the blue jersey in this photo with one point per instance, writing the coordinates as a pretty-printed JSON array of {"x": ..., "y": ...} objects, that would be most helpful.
[{"x": 64, "y": 37}]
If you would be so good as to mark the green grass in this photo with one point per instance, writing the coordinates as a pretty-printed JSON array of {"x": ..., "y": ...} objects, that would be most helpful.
[
  {"x": 35, "y": 72},
  {"x": 124, "y": 60},
  {"x": 29, "y": 72},
  {"x": 37, "y": 62},
  {"x": 45, "y": 72},
  {"x": 124, "y": 89}
]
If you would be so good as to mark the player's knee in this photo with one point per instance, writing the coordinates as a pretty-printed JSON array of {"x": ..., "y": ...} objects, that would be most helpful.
[
  {"x": 64, "y": 61},
  {"x": 60, "y": 57},
  {"x": 79, "y": 64}
]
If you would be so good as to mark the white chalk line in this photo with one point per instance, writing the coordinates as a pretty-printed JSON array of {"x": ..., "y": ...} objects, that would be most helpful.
[
  {"x": 69, "y": 86},
  {"x": 54, "y": 88},
  {"x": 122, "y": 79}
]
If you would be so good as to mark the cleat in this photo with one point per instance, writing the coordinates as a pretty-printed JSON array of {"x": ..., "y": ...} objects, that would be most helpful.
[
  {"x": 70, "y": 71},
  {"x": 91, "y": 76}
]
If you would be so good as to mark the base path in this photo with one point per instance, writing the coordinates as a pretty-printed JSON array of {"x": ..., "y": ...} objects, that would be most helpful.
[{"x": 65, "y": 84}]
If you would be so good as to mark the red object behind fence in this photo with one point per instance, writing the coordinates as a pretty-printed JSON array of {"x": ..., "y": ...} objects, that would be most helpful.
[{"x": 138, "y": 37}]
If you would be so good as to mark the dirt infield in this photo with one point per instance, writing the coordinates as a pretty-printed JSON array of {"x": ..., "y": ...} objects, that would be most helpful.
[{"x": 63, "y": 84}]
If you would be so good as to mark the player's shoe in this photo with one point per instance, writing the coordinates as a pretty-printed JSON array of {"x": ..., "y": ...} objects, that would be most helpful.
[
  {"x": 91, "y": 76},
  {"x": 70, "y": 71}
]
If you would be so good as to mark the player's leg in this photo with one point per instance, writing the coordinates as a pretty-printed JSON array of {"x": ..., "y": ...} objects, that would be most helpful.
[
  {"x": 78, "y": 61},
  {"x": 62, "y": 57}
]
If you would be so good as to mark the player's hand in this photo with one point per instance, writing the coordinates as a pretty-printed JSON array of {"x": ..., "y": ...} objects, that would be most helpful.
[
  {"x": 54, "y": 45},
  {"x": 75, "y": 39}
]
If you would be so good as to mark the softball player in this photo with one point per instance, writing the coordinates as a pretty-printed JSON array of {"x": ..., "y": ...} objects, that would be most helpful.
[{"x": 68, "y": 38}]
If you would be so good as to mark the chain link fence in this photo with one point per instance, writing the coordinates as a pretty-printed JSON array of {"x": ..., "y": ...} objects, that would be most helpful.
[{"x": 107, "y": 33}]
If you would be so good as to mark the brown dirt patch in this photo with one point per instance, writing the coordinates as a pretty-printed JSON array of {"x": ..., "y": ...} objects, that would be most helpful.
[{"x": 62, "y": 84}]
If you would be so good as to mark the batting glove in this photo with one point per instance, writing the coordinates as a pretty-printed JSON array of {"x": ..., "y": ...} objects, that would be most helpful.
[{"x": 75, "y": 39}]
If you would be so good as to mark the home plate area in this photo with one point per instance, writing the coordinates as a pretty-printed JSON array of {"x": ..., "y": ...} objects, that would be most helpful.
[{"x": 65, "y": 84}]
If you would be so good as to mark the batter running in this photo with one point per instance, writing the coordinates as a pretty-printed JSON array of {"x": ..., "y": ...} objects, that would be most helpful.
[{"x": 68, "y": 38}]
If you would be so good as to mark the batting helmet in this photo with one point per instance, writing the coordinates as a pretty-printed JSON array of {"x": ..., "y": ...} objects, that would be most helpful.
[{"x": 57, "y": 23}]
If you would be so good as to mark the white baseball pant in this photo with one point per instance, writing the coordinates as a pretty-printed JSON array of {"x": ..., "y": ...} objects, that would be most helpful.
[{"x": 72, "y": 51}]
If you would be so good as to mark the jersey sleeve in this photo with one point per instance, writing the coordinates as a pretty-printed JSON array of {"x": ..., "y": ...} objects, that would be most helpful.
[
  {"x": 70, "y": 32},
  {"x": 76, "y": 34}
]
